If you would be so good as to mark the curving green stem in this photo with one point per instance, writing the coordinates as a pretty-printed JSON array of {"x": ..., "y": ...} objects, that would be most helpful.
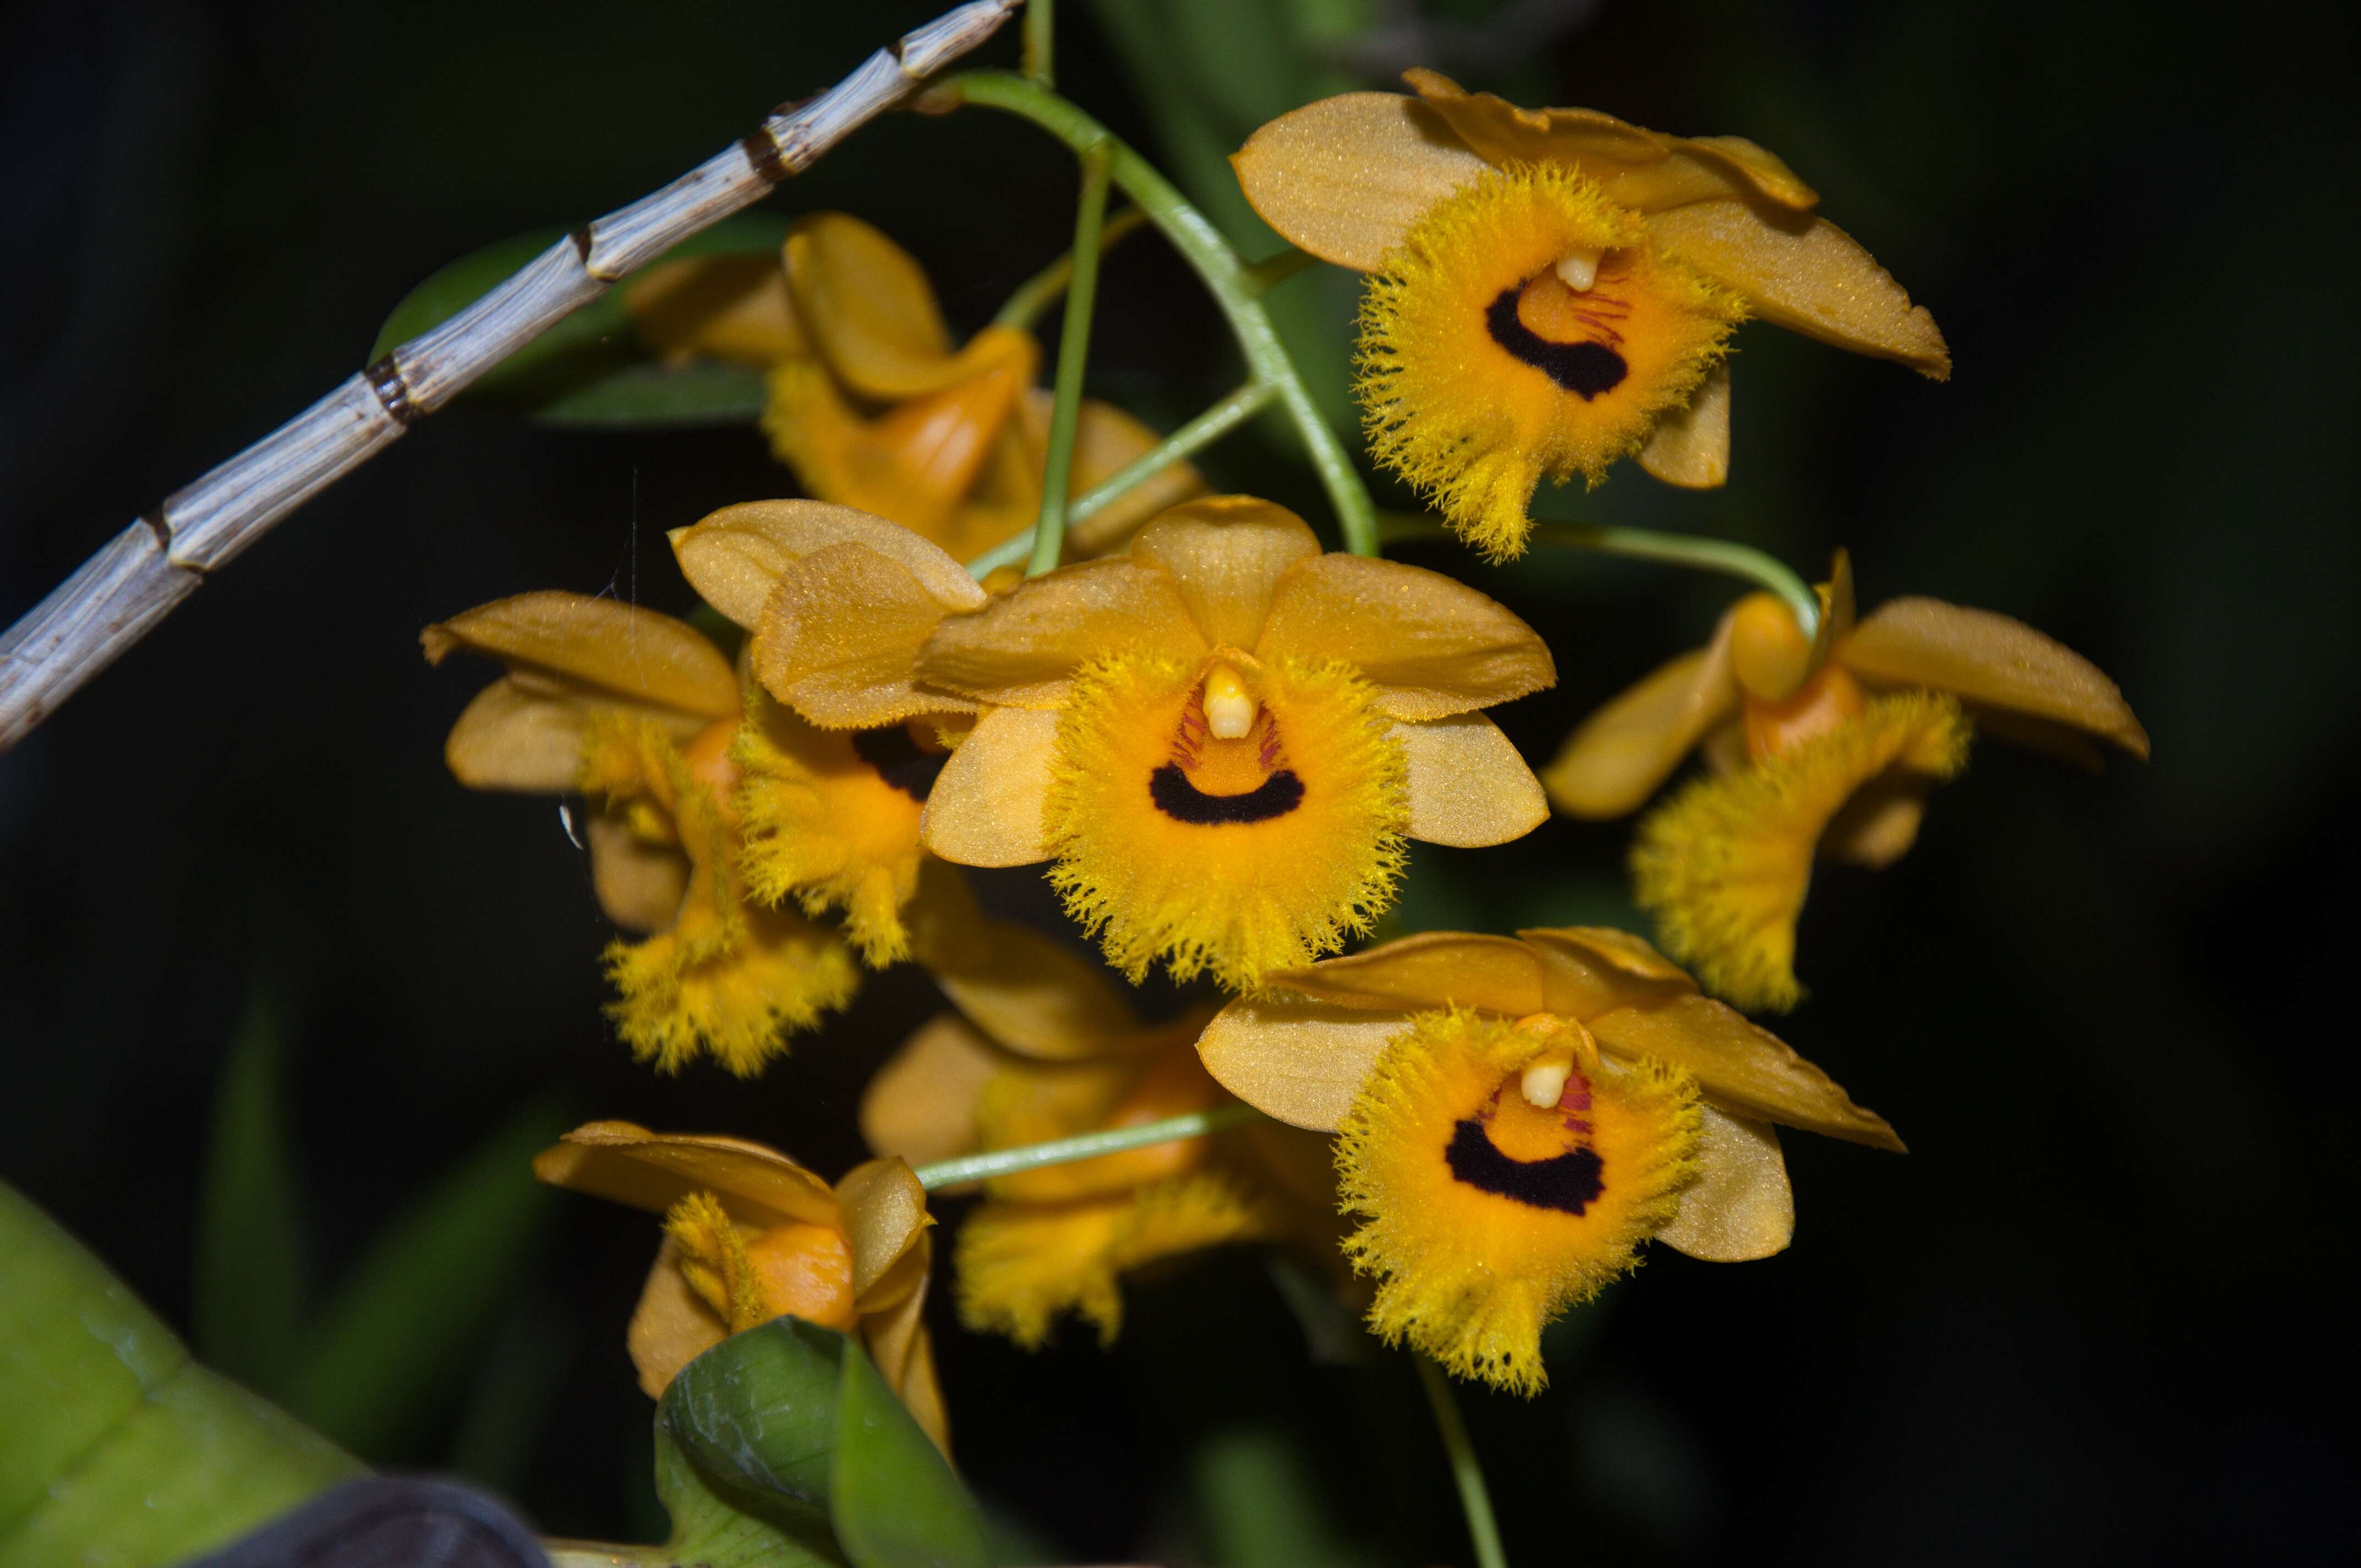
[
  {"x": 1040, "y": 57},
  {"x": 1033, "y": 296},
  {"x": 1235, "y": 287},
  {"x": 1201, "y": 432},
  {"x": 1088, "y": 1145},
  {"x": 1765, "y": 571},
  {"x": 1476, "y": 1502},
  {"x": 1073, "y": 352}
]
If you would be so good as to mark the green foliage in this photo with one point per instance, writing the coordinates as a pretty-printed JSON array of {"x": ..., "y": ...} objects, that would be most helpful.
[
  {"x": 117, "y": 1449},
  {"x": 1208, "y": 73},
  {"x": 1260, "y": 1504},
  {"x": 393, "y": 1341},
  {"x": 790, "y": 1425},
  {"x": 373, "y": 1362},
  {"x": 591, "y": 369},
  {"x": 248, "y": 1298}
]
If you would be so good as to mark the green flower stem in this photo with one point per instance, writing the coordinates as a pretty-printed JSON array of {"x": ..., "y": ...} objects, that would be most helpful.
[
  {"x": 1040, "y": 57},
  {"x": 1033, "y": 296},
  {"x": 1474, "y": 1500},
  {"x": 1073, "y": 352},
  {"x": 1228, "y": 279},
  {"x": 1089, "y": 1146},
  {"x": 1201, "y": 432},
  {"x": 1647, "y": 545}
]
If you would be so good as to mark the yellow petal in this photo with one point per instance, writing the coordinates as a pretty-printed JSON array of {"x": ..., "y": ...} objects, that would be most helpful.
[
  {"x": 920, "y": 463},
  {"x": 1621, "y": 753},
  {"x": 528, "y": 738},
  {"x": 840, "y": 636},
  {"x": 1022, "y": 649},
  {"x": 1431, "y": 644},
  {"x": 1301, "y": 1061},
  {"x": 1040, "y": 998},
  {"x": 671, "y": 1327},
  {"x": 1690, "y": 446},
  {"x": 921, "y": 1389},
  {"x": 1468, "y": 785},
  {"x": 629, "y": 1164},
  {"x": 1590, "y": 970},
  {"x": 601, "y": 645},
  {"x": 1226, "y": 554},
  {"x": 728, "y": 307},
  {"x": 1741, "y": 1068},
  {"x": 1433, "y": 968},
  {"x": 868, "y": 307},
  {"x": 1807, "y": 275},
  {"x": 1880, "y": 823},
  {"x": 1639, "y": 167},
  {"x": 1724, "y": 865},
  {"x": 735, "y": 556},
  {"x": 985, "y": 807},
  {"x": 1106, "y": 440},
  {"x": 1739, "y": 1207},
  {"x": 1346, "y": 177},
  {"x": 639, "y": 884},
  {"x": 884, "y": 1218},
  {"x": 1992, "y": 661},
  {"x": 921, "y": 1104}
]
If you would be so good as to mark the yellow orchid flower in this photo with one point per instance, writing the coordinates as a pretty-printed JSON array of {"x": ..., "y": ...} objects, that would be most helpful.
[
  {"x": 751, "y": 1235},
  {"x": 1554, "y": 289},
  {"x": 1517, "y": 1116},
  {"x": 636, "y": 711},
  {"x": 1222, "y": 738},
  {"x": 872, "y": 406},
  {"x": 1056, "y": 1239},
  {"x": 1825, "y": 748},
  {"x": 837, "y": 760}
]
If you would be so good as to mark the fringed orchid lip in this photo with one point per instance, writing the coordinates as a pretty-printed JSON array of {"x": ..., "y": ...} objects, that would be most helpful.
[
  {"x": 1825, "y": 748},
  {"x": 1366, "y": 179},
  {"x": 1519, "y": 1115},
  {"x": 1527, "y": 327},
  {"x": 1486, "y": 1214},
  {"x": 1224, "y": 736},
  {"x": 1052, "y": 1242},
  {"x": 637, "y": 712}
]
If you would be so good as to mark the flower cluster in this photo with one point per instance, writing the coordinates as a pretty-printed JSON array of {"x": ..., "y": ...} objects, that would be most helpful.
[{"x": 1219, "y": 738}]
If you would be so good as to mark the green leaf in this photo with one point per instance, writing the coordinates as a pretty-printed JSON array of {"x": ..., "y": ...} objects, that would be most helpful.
[
  {"x": 791, "y": 1422},
  {"x": 651, "y": 396},
  {"x": 247, "y": 1294},
  {"x": 116, "y": 1448},
  {"x": 563, "y": 374},
  {"x": 894, "y": 1498},
  {"x": 398, "y": 1333},
  {"x": 714, "y": 1529},
  {"x": 1260, "y": 1505}
]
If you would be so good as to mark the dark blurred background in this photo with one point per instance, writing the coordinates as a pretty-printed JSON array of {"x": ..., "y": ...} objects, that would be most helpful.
[{"x": 266, "y": 971}]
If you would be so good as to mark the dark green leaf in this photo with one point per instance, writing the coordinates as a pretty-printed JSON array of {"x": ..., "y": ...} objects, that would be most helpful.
[
  {"x": 894, "y": 1498},
  {"x": 714, "y": 1530},
  {"x": 117, "y": 1449},
  {"x": 396, "y": 1337},
  {"x": 650, "y": 396},
  {"x": 791, "y": 1422},
  {"x": 248, "y": 1297},
  {"x": 561, "y": 371}
]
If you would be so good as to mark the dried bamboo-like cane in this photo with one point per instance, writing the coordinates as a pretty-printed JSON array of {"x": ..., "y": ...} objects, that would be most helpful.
[{"x": 137, "y": 579}]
